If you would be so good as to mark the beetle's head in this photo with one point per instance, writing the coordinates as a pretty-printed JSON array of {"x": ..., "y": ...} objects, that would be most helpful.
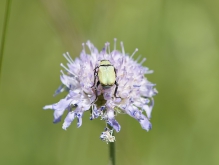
[{"x": 105, "y": 62}]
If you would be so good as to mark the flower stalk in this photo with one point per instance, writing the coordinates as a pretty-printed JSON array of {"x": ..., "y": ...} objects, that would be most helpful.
[
  {"x": 112, "y": 154},
  {"x": 4, "y": 31}
]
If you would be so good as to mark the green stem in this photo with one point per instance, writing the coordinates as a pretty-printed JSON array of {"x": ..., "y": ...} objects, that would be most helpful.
[
  {"x": 8, "y": 5},
  {"x": 112, "y": 150},
  {"x": 112, "y": 153}
]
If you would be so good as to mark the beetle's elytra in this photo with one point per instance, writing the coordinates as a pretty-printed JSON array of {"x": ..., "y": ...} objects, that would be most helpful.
[{"x": 106, "y": 74}]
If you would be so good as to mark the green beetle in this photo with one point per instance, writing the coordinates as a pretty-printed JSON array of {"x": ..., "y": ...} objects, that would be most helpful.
[{"x": 106, "y": 74}]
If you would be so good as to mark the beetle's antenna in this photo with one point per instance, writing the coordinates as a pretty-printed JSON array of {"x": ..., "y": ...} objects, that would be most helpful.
[
  {"x": 123, "y": 49},
  {"x": 115, "y": 43},
  {"x": 134, "y": 52}
]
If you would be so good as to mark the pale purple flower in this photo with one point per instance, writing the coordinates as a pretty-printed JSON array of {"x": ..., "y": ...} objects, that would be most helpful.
[{"x": 135, "y": 93}]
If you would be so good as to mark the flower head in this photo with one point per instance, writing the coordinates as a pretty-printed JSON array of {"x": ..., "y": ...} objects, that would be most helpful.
[{"x": 106, "y": 84}]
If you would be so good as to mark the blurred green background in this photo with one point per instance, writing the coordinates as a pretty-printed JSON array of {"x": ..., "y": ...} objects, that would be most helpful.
[{"x": 180, "y": 40}]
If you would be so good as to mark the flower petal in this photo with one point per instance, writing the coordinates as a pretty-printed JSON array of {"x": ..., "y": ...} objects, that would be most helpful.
[
  {"x": 60, "y": 89},
  {"x": 148, "y": 108},
  {"x": 145, "y": 123},
  {"x": 79, "y": 116},
  {"x": 135, "y": 113},
  {"x": 68, "y": 120},
  {"x": 113, "y": 123},
  {"x": 59, "y": 108},
  {"x": 95, "y": 112}
]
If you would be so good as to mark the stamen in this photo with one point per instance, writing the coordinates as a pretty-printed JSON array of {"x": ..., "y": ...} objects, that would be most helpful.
[
  {"x": 68, "y": 58},
  {"x": 115, "y": 43},
  {"x": 108, "y": 46},
  {"x": 134, "y": 52},
  {"x": 138, "y": 58},
  {"x": 149, "y": 72},
  {"x": 105, "y": 48},
  {"x": 62, "y": 72},
  {"x": 83, "y": 45},
  {"x": 123, "y": 50},
  {"x": 144, "y": 59},
  {"x": 67, "y": 69},
  {"x": 88, "y": 43}
]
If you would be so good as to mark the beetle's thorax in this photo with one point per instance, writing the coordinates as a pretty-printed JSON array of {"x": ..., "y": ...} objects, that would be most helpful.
[{"x": 105, "y": 63}]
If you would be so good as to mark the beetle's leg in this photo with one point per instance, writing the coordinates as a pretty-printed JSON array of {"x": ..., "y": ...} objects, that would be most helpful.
[
  {"x": 91, "y": 112},
  {"x": 95, "y": 76},
  {"x": 116, "y": 86},
  {"x": 115, "y": 71},
  {"x": 116, "y": 90},
  {"x": 98, "y": 83}
]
